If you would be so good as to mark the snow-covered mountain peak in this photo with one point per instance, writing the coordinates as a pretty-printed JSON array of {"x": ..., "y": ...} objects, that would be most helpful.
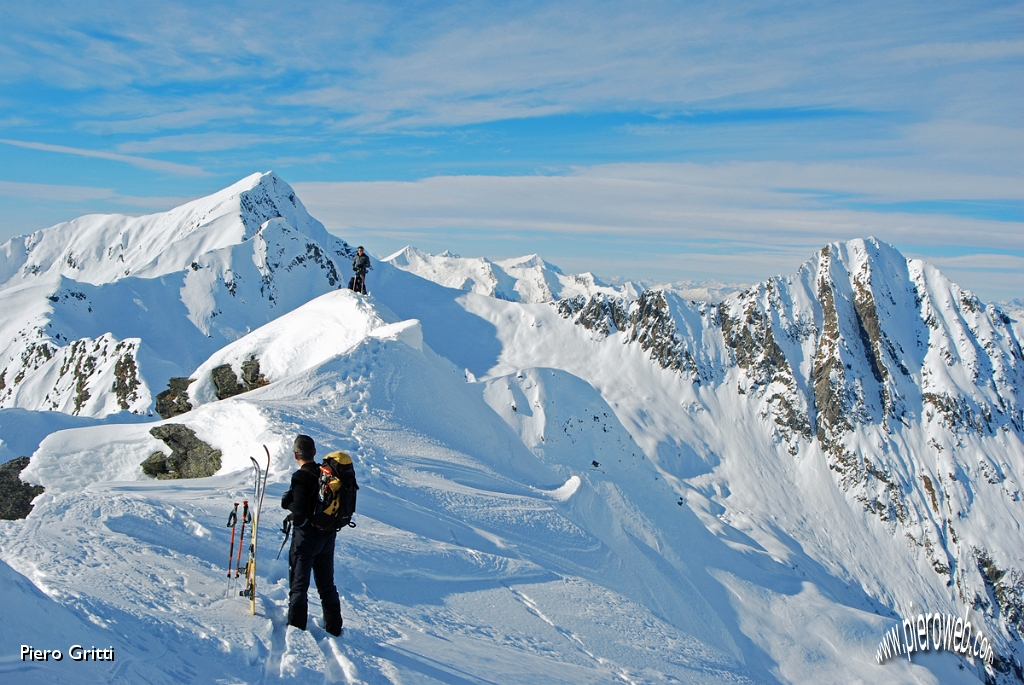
[
  {"x": 88, "y": 297},
  {"x": 527, "y": 279},
  {"x": 100, "y": 248},
  {"x": 532, "y": 261}
]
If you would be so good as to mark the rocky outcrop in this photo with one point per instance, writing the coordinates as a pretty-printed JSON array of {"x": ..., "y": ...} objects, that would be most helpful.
[
  {"x": 748, "y": 331},
  {"x": 226, "y": 382},
  {"x": 88, "y": 377},
  {"x": 15, "y": 496},
  {"x": 174, "y": 401},
  {"x": 602, "y": 314},
  {"x": 647, "y": 321},
  {"x": 190, "y": 457}
]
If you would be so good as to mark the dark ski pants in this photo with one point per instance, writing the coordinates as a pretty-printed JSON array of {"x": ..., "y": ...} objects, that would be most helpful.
[
  {"x": 313, "y": 552},
  {"x": 358, "y": 283}
]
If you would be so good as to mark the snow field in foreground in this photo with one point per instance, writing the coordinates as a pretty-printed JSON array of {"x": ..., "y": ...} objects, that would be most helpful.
[{"x": 475, "y": 559}]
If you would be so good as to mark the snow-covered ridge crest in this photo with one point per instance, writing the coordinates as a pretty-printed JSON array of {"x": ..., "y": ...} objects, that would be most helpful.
[
  {"x": 101, "y": 248},
  {"x": 182, "y": 283},
  {"x": 859, "y": 335},
  {"x": 527, "y": 279},
  {"x": 908, "y": 387},
  {"x": 305, "y": 337}
]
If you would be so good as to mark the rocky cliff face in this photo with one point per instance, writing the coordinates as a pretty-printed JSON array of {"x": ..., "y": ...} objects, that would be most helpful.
[{"x": 909, "y": 387}]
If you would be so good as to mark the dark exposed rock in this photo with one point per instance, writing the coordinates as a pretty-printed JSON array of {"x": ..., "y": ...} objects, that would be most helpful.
[
  {"x": 648, "y": 321},
  {"x": 751, "y": 336},
  {"x": 126, "y": 377},
  {"x": 1006, "y": 591},
  {"x": 174, "y": 401},
  {"x": 251, "y": 375},
  {"x": 598, "y": 313},
  {"x": 317, "y": 256},
  {"x": 15, "y": 496},
  {"x": 651, "y": 324},
  {"x": 190, "y": 457},
  {"x": 226, "y": 382},
  {"x": 957, "y": 413},
  {"x": 156, "y": 465}
]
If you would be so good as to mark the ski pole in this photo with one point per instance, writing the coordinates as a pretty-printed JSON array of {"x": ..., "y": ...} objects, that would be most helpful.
[
  {"x": 232, "y": 520},
  {"x": 286, "y": 528}
]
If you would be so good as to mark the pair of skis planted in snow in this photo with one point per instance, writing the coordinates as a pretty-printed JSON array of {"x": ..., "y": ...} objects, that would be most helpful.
[{"x": 248, "y": 516}]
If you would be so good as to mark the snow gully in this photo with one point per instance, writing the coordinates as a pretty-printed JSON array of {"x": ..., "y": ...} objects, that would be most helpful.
[{"x": 936, "y": 631}]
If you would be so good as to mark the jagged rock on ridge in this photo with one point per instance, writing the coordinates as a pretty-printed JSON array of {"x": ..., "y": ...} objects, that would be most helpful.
[
  {"x": 190, "y": 457},
  {"x": 15, "y": 495},
  {"x": 174, "y": 401},
  {"x": 226, "y": 382}
]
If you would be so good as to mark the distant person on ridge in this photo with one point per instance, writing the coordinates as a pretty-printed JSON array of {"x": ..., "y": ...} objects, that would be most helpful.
[
  {"x": 360, "y": 265},
  {"x": 312, "y": 548}
]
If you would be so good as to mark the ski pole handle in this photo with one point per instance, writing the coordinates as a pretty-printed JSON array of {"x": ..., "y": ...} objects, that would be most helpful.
[{"x": 233, "y": 517}]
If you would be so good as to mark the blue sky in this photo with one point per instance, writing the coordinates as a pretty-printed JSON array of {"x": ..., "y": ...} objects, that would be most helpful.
[{"x": 654, "y": 140}]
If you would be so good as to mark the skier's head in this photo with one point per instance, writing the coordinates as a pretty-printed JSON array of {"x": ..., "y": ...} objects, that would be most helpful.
[
  {"x": 305, "y": 448},
  {"x": 359, "y": 249}
]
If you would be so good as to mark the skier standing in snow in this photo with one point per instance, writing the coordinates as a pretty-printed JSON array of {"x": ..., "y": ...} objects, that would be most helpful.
[
  {"x": 360, "y": 265},
  {"x": 312, "y": 549}
]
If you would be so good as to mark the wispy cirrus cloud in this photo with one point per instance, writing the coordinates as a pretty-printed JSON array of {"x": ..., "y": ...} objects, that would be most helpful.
[
  {"x": 754, "y": 126},
  {"x": 140, "y": 162},
  {"x": 439, "y": 64},
  {"x": 736, "y": 222},
  {"x": 145, "y": 121},
  {"x": 201, "y": 142},
  {"x": 75, "y": 194}
]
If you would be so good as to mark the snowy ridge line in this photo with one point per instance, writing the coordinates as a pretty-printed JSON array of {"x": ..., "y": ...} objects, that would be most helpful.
[
  {"x": 184, "y": 283},
  {"x": 527, "y": 279},
  {"x": 743, "y": 491}
]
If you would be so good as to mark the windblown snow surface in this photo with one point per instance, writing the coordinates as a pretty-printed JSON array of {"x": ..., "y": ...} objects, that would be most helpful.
[{"x": 542, "y": 500}]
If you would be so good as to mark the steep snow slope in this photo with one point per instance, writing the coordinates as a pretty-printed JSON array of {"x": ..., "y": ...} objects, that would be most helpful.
[
  {"x": 472, "y": 560},
  {"x": 901, "y": 392},
  {"x": 105, "y": 309}
]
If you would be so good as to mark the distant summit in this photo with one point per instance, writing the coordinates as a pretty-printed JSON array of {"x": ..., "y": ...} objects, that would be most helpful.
[
  {"x": 102, "y": 310},
  {"x": 104, "y": 248},
  {"x": 527, "y": 279}
]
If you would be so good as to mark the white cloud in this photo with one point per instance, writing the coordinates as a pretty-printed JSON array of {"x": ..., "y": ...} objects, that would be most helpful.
[
  {"x": 149, "y": 116},
  {"x": 452, "y": 64},
  {"x": 735, "y": 222},
  {"x": 61, "y": 193},
  {"x": 201, "y": 142},
  {"x": 76, "y": 194},
  {"x": 140, "y": 162}
]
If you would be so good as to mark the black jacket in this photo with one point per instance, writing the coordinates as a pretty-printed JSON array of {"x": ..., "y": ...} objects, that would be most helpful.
[
  {"x": 360, "y": 263},
  {"x": 301, "y": 497}
]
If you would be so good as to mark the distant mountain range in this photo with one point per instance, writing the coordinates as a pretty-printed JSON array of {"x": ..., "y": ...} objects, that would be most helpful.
[{"x": 800, "y": 462}]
